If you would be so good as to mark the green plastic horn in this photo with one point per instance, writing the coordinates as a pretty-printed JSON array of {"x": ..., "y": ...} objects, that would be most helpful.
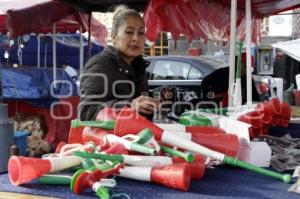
[
  {"x": 100, "y": 156},
  {"x": 189, "y": 157},
  {"x": 110, "y": 124}
]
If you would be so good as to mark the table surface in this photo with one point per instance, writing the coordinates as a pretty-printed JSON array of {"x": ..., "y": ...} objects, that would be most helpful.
[{"x": 218, "y": 183}]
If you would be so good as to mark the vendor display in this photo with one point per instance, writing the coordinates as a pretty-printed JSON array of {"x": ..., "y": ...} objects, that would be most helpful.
[{"x": 126, "y": 144}]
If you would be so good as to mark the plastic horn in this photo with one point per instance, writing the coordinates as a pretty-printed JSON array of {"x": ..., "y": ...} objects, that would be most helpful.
[
  {"x": 100, "y": 188},
  {"x": 130, "y": 145},
  {"x": 173, "y": 139},
  {"x": 112, "y": 158},
  {"x": 110, "y": 124},
  {"x": 55, "y": 179},
  {"x": 83, "y": 179},
  {"x": 67, "y": 149},
  {"x": 135, "y": 160},
  {"x": 23, "y": 169},
  {"x": 146, "y": 138},
  {"x": 129, "y": 121},
  {"x": 187, "y": 156},
  {"x": 176, "y": 176},
  {"x": 88, "y": 163},
  {"x": 197, "y": 167}
]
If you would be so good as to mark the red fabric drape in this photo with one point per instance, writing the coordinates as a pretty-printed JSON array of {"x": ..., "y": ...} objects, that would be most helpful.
[
  {"x": 58, "y": 119},
  {"x": 195, "y": 18}
]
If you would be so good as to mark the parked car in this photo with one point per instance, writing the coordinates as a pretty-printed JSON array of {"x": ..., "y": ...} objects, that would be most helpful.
[{"x": 189, "y": 79}]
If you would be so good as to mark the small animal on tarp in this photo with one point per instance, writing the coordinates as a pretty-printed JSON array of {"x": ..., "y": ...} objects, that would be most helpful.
[{"x": 37, "y": 128}]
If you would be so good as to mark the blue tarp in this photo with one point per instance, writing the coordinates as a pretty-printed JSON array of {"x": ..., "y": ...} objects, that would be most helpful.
[
  {"x": 36, "y": 85},
  {"x": 67, "y": 51}
]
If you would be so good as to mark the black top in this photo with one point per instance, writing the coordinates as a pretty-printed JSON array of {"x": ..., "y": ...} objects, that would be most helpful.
[{"x": 108, "y": 80}]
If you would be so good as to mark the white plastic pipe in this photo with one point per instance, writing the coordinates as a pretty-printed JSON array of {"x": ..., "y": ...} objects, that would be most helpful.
[
  {"x": 136, "y": 173},
  {"x": 232, "y": 49},
  {"x": 149, "y": 161},
  {"x": 64, "y": 162},
  {"x": 248, "y": 51},
  {"x": 114, "y": 139},
  {"x": 175, "y": 140}
]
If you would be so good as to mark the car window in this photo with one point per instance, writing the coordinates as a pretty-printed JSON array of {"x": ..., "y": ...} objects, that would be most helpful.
[
  {"x": 173, "y": 70},
  {"x": 195, "y": 74}
]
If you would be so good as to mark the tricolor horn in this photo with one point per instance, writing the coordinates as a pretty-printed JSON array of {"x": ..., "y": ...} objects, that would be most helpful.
[
  {"x": 176, "y": 176},
  {"x": 24, "y": 169}
]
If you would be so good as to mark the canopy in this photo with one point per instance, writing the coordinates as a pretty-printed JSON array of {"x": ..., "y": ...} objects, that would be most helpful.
[
  {"x": 207, "y": 19},
  {"x": 20, "y": 17},
  {"x": 26, "y": 16},
  {"x": 262, "y": 8},
  {"x": 105, "y": 5},
  {"x": 291, "y": 48},
  {"x": 259, "y": 7}
]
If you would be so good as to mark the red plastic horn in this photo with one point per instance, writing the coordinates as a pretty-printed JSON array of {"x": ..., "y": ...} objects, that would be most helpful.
[
  {"x": 23, "y": 169},
  {"x": 117, "y": 148},
  {"x": 128, "y": 121},
  {"x": 197, "y": 167},
  {"x": 276, "y": 105},
  {"x": 284, "y": 117},
  {"x": 224, "y": 143},
  {"x": 75, "y": 135},
  {"x": 254, "y": 132},
  {"x": 86, "y": 179},
  {"x": 266, "y": 112},
  {"x": 176, "y": 176},
  {"x": 59, "y": 147},
  {"x": 204, "y": 129},
  {"x": 96, "y": 135},
  {"x": 253, "y": 117}
]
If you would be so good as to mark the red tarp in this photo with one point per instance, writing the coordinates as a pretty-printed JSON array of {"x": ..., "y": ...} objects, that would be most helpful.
[
  {"x": 207, "y": 19},
  {"x": 27, "y": 16},
  {"x": 20, "y": 17}
]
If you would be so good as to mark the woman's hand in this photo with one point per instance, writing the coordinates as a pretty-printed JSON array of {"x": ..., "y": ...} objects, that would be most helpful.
[{"x": 145, "y": 105}]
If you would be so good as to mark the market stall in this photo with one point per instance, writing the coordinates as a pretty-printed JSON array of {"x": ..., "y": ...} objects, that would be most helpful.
[{"x": 224, "y": 182}]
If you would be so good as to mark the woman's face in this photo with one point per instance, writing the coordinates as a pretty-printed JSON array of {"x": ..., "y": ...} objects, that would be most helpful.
[{"x": 130, "y": 38}]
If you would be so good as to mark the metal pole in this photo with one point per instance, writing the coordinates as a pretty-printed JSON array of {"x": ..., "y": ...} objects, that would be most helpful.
[
  {"x": 248, "y": 51},
  {"x": 232, "y": 50}
]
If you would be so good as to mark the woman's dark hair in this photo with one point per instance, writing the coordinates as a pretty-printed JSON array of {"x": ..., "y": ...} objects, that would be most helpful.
[{"x": 121, "y": 13}]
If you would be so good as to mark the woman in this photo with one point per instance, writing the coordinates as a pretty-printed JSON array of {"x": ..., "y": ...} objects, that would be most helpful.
[{"x": 116, "y": 77}]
